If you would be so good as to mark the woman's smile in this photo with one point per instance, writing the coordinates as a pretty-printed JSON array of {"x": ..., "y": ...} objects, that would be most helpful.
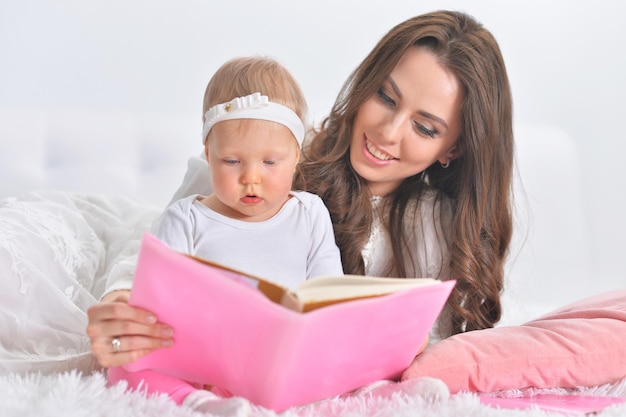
[{"x": 377, "y": 153}]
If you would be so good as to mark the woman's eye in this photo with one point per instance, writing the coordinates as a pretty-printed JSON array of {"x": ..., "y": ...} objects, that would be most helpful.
[
  {"x": 384, "y": 97},
  {"x": 425, "y": 131}
]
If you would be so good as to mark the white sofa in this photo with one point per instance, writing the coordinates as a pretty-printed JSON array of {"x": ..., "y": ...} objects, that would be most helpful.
[{"x": 142, "y": 156}]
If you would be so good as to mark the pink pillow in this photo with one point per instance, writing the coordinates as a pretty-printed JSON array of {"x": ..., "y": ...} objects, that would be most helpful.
[{"x": 582, "y": 344}]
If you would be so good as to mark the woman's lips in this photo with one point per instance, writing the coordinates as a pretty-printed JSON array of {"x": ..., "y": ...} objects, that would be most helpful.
[{"x": 375, "y": 155}]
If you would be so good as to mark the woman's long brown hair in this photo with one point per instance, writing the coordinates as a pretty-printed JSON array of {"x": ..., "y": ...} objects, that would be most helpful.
[{"x": 478, "y": 182}]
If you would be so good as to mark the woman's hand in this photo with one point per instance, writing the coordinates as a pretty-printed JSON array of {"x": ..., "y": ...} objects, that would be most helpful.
[{"x": 135, "y": 331}]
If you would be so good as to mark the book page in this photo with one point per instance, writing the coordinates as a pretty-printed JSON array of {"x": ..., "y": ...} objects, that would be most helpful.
[
  {"x": 271, "y": 290},
  {"x": 321, "y": 291},
  {"x": 323, "y": 288}
]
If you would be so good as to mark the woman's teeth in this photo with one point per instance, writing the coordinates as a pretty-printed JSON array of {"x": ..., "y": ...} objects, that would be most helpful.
[{"x": 378, "y": 154}]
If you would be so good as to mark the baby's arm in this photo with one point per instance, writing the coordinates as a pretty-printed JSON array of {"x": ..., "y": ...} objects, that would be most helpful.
[
  {"x": 113, "y": 318},
  {"x": 175, "y": 227},
  {"x": 325, "y": 258}
]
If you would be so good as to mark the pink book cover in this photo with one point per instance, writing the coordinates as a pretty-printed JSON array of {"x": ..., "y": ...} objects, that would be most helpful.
[
  {"x": 569, "y": 404},
  {"x": 229, "y": 334}
]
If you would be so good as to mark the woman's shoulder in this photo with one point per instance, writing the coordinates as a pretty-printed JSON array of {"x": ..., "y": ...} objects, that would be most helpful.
[
  {"x": 431, "y": 213},
  {"x": 431, "y": 200}
]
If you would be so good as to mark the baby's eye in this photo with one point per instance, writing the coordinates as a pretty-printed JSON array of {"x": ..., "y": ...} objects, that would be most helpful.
[
  {"x": 424, "y": 130},
  {"x": 269, "y": 162},
  {"x": 230, "y": 161},
  {"x": 385, "y": 97}
]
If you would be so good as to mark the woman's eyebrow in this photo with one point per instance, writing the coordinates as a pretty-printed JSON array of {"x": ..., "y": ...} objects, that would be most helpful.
[
  {"x": 430, "y": 116},
  {"x": 434, "y": 118},
  {"x": 394, "y": 87}
]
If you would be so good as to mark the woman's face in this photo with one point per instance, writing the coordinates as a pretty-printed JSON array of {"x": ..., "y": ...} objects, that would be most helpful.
[{"x": 411, "y": 122}]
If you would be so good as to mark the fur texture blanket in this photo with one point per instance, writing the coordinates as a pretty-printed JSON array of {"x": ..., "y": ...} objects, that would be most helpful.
[{"x": 73, "y": 394}]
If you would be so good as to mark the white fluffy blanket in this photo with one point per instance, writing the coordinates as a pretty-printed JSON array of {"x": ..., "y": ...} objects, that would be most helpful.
[
  {"x": 58, "y": 252},
  {"x": 70, "y": 394}
]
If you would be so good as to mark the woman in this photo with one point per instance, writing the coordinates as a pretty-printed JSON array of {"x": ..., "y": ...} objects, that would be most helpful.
[
  {"x": 422, "y": 131},
  {"x": 414, "y": 163}
]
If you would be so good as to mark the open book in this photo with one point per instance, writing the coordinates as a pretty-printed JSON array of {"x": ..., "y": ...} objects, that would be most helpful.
[
  {"x": 277, "y": 347},
  {"x": 321, "y": 291}
]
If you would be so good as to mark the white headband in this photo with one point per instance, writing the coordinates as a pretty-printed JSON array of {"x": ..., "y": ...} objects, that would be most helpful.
[{"x": 253, "y": 106}]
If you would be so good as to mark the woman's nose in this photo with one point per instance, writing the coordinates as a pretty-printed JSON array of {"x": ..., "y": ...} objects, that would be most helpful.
[{"x": 392, "y": 129}]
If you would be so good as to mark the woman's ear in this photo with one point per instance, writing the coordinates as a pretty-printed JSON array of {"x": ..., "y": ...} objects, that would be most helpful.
[{"x": 452, "y": 153}]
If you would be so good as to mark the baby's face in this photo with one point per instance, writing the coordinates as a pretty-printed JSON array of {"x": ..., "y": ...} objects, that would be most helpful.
[{"x": 252, "y": 164}]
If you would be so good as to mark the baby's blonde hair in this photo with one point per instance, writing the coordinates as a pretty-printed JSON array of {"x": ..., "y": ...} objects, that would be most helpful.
[{"x": 246, "y": 75}]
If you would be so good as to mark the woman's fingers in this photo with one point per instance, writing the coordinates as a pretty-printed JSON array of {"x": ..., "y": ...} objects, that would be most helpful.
[
  {"x": 118, "y": 342},
  {"x": 151, "y": 336},
  {"x": 130, "y": 348},
  {"x": 121, "y": 333},
  {"x": 119, "y": 311}
]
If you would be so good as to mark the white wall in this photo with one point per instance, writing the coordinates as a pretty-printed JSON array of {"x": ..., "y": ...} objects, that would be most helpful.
[{"x": 565, "y": 59}]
